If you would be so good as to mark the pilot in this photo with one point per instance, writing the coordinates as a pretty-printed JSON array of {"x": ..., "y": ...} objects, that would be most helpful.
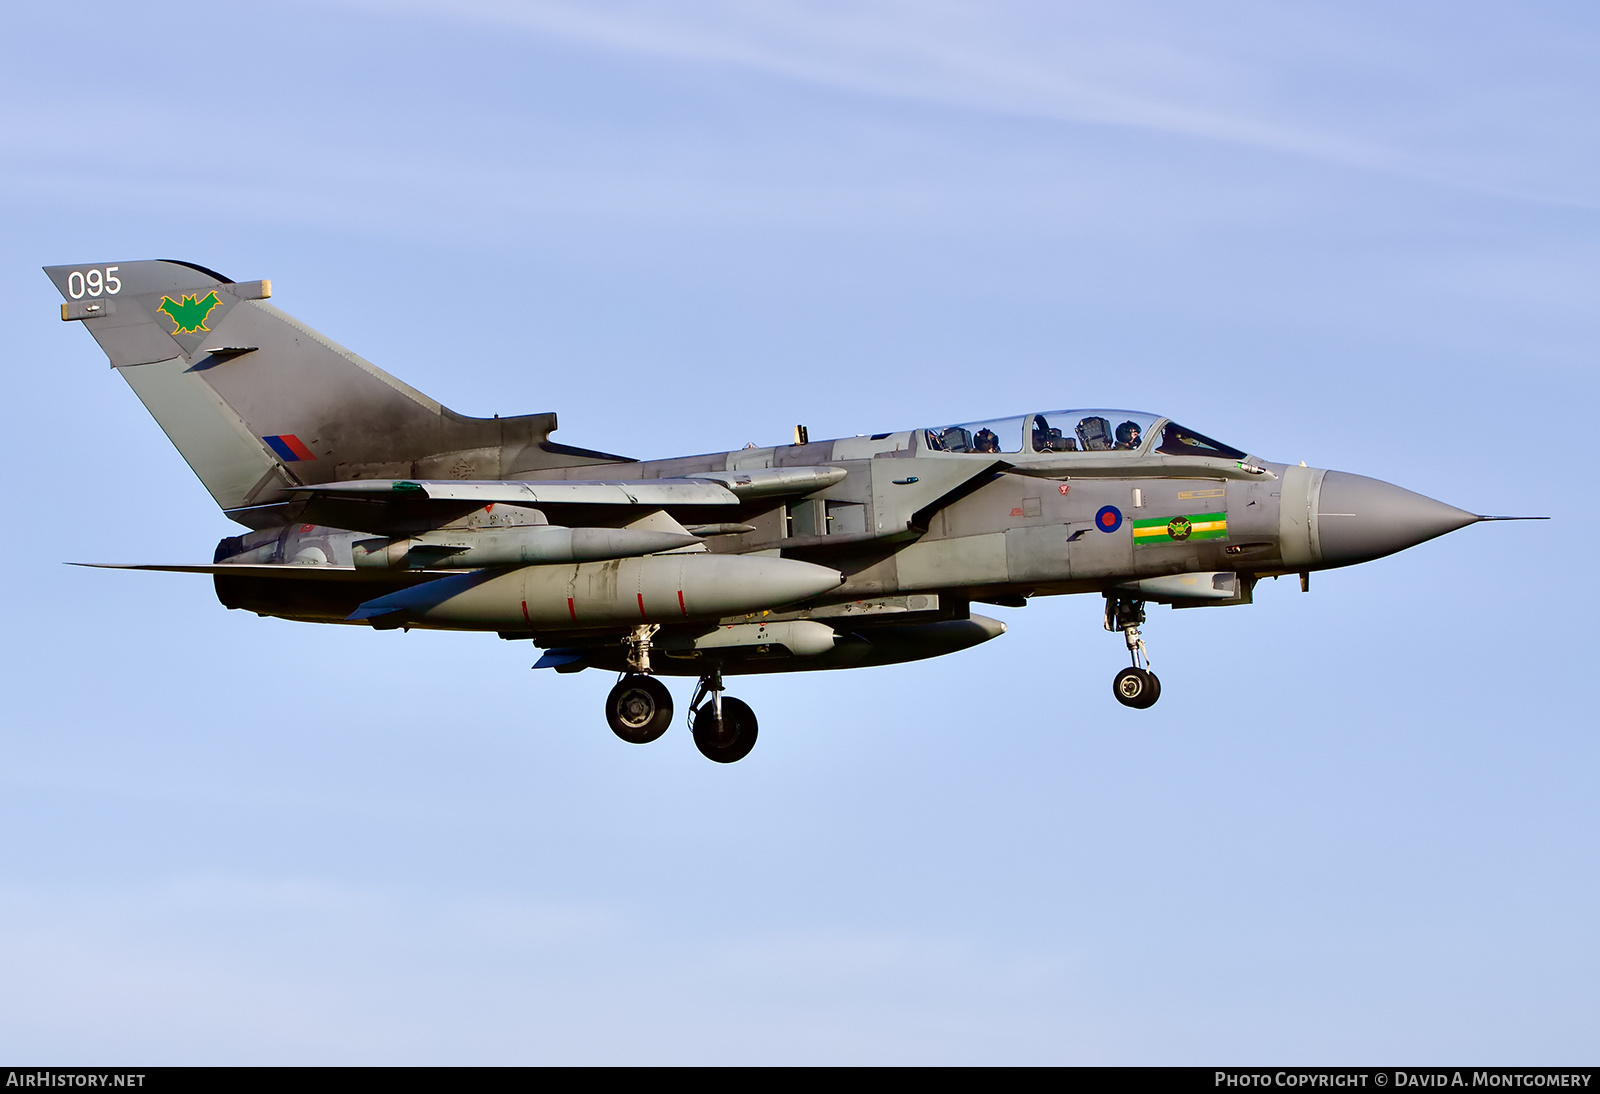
[
  {"x": 1044, "y": 438},
  {"x": 1127, "y": 436},
  {"x": 986, "y": 440}
]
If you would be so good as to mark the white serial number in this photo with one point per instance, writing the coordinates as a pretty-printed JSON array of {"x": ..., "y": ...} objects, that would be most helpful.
[{"x": 93, "y": 282}]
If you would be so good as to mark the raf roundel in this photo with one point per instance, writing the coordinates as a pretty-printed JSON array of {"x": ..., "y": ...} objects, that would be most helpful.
[{"x": 1108, "y": 519}]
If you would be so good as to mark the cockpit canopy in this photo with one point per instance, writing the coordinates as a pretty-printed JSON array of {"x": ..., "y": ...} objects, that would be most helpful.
[{"x": 1130, "y": 431}]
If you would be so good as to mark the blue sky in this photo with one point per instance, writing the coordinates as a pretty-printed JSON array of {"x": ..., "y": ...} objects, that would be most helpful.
[{"x": 1361, "y": 824}]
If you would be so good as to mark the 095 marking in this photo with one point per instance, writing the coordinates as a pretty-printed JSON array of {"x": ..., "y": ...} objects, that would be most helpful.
[{"x": 93, "y": 283}]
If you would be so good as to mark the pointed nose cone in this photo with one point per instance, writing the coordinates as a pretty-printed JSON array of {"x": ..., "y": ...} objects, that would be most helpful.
[{"x": 1360, "y": 518}]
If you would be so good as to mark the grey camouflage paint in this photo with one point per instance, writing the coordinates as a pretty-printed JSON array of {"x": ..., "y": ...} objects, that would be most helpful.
[{"x": 887, "y": 540}]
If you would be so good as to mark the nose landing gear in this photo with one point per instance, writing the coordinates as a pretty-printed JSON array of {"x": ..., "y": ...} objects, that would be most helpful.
[{"x": 1135, "y": 687}]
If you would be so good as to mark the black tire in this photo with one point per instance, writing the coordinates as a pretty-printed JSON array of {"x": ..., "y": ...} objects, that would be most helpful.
[
  {"x": 639, "y": 709},
  {"x": 738, "y": 734},
  {"x": 1135, "y": 688},
  {"x": 1155, "y": 690}
]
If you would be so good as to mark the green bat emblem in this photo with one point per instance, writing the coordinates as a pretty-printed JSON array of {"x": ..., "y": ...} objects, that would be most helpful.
[
  {"x": 1179, "y": 527},
  {"x": 189, "y": 313}
]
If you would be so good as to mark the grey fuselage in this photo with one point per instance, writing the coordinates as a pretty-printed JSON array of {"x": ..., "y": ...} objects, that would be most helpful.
[
  {"x": 921, "y": 532},
  {"x": 372, "y": 504}
]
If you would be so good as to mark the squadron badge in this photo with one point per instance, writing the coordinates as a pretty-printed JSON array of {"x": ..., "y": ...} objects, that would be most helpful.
[
  {"x": 189, "y": 313},
  {"x": 1180, "y": 529}
]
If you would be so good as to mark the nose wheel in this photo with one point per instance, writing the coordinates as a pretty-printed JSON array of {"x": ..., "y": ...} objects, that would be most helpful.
[
  {"x": 1135, "y": 687},
  {"x": 724, "y": 728}
]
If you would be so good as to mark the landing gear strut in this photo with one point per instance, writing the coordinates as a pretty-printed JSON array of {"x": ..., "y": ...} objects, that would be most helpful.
[
  {"x": 639, "y": 708},
  {"x": 1137, "y": 686},
  {"x": 638, "y": 644},
  {"x": 724, "y": 728}
]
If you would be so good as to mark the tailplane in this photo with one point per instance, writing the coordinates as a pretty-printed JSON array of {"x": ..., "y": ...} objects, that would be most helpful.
[{"x": 258, "y": 403}]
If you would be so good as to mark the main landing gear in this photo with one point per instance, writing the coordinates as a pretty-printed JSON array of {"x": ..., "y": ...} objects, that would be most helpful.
[
  {"x": 639, "y": 708},
  {"x": 1135, "y": 687},
  {"x": 724, "y": 729}
]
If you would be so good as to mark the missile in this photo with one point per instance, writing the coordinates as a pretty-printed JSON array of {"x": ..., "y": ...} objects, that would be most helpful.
[
  {"x": 462, "y": 549},
  {"x": 654, "y": 589}
]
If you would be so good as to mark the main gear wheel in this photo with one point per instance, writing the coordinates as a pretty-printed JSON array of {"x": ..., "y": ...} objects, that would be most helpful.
[{"x": 639, "y": 709}]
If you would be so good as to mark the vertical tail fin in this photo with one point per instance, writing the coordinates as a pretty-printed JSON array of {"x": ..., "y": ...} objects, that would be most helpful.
[{"x": 257, "y": 402}]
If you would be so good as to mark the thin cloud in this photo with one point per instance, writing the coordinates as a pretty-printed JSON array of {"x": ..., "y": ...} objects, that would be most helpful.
[{"x": 1240, "y": 81}]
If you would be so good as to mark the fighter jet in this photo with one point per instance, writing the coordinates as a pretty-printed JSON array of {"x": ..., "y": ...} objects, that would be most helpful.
[{"x": 369, "y": 504}]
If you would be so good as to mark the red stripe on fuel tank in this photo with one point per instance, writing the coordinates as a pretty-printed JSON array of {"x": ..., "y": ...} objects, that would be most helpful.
[
  {"x": 525, "y": 618},
  {"x": 641, "y": 606},
  {"x": 572, "y": 609},
  {"x": 681, "y": 606}
]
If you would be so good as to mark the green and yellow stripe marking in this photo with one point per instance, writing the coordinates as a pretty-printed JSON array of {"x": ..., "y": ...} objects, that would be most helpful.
[{"x": 1186, "y": 529}]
